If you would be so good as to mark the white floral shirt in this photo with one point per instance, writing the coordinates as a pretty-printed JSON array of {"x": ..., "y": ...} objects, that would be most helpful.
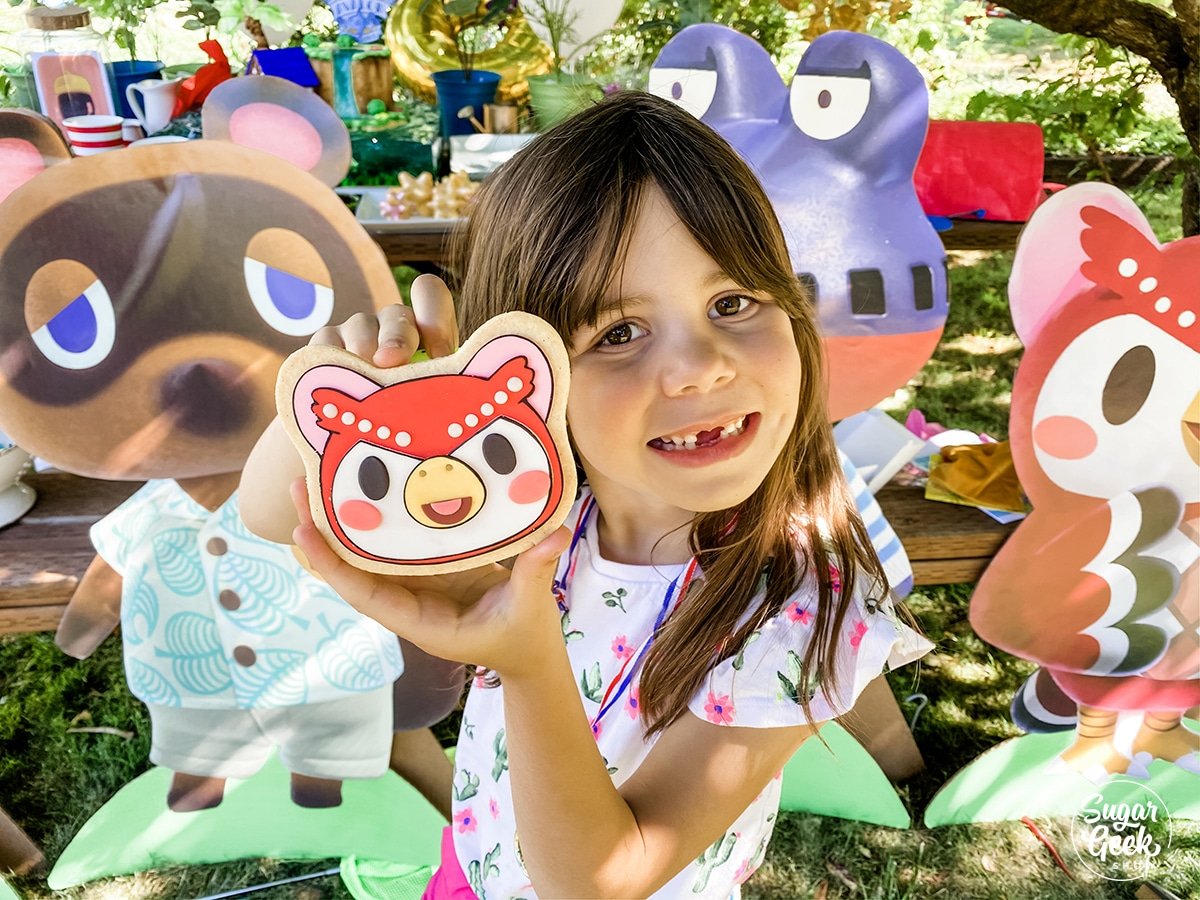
[
  {"x": 611, "y": 610},
  {"x": 214, "y": 617}
]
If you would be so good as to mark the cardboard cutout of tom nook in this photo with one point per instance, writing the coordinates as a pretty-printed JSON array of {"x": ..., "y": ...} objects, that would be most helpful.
[
  {"x": 148, "y": 297},
  {"x": 437, "y": 466},
  {"x": 1099, "y": 585}
]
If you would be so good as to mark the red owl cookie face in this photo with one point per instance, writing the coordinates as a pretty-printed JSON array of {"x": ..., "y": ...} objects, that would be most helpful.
[{"x": 435, "y": 466}]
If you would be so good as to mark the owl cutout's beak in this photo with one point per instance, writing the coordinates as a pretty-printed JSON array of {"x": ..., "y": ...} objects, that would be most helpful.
[
  {"x": 1191, "y": 429},
  {"x": 443, "y": 492}
]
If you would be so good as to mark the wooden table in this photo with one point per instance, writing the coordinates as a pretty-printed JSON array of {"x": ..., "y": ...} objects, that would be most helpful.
[{"x": 44, "y": 554}]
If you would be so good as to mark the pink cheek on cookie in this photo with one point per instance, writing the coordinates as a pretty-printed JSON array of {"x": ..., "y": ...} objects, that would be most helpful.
[
  {"x": 529, "y": 487},
  {"x": 360, "y": 515},
  {"x": 1065, "y": 437}
]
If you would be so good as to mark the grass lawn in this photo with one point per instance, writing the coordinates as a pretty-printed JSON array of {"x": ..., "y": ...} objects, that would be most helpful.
[{"x": 51, "y": 780}]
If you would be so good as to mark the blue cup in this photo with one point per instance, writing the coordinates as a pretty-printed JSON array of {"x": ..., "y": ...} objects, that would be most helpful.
[
  {"x": 127, "y": 72},
  {"x": 457, "y": 89}
]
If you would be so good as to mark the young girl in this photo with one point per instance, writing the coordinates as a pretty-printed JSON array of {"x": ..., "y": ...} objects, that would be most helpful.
[{"x": 646, "y": 671}]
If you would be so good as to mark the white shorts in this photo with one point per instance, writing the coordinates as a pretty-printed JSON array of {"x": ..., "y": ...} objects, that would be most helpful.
[{"x": 337, "y": 739}]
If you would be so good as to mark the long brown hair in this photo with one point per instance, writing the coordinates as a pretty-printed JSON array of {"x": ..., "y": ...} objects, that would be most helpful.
[{"x": 544, "y": 236}]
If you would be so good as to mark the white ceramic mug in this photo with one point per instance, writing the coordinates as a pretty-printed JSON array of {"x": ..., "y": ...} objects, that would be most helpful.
[
  {"x": 93, "y": 134},
  {"x": 152, "y": 102}
]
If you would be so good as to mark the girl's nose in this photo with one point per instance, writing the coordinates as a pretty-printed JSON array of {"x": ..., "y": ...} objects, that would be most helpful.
[{"x": 696, "y": 363}]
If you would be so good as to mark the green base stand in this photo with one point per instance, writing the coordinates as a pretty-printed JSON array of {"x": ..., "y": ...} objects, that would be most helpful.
[
  {"x": 1011, "y": 781},
  {"x": 6, "y": 891},
  {"x": 841, "y": 781},
  {"x": 381, "y": 818}
]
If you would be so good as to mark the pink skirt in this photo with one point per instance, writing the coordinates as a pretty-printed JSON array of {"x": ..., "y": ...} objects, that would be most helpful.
[{"x": 448, "y": 882}]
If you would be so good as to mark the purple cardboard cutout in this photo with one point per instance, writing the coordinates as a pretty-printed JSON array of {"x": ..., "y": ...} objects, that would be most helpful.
[
  {"x": 723, "y": 78},
  {"x": 837, "y": 165}
]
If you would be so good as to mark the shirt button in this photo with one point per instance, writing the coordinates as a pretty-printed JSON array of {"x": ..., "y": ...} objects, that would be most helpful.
[
  {"x": 229, "y": 599},
  {"x": 217, "y": 546},
  {"x": 244, "y": 656}
]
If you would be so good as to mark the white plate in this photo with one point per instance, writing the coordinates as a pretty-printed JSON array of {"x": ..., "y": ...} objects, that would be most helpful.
[
  {"x": 368, "y": 214},
  {"x": 479, "y": 154}
]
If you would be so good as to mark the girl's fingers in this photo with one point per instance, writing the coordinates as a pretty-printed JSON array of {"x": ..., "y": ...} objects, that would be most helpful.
[
  {"x": 360, "y": 335},
  {"x": 533, "y": 571},
  {"x": 398, "y": 337},
  {"x": 329, "y": 336},
  {"x": 433, "y": 306}
]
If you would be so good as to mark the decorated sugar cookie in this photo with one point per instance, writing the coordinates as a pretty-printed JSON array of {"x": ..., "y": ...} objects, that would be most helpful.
[{"x": 440, "y": 465}]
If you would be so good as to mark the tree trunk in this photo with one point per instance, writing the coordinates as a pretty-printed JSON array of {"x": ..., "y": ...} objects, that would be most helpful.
[{"x": 1170, "y": 43}]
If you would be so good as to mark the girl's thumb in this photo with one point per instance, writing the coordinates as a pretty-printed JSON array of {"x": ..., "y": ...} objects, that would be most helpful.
[{"x": 535, "y": 567}]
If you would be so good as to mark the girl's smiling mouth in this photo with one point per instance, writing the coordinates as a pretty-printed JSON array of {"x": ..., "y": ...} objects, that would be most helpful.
[{"x": 708, "y": 444}]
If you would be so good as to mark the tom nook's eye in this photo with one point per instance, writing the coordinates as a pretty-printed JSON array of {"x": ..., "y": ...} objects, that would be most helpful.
[
  {"x": 498, "y": 453},
  {"x": 70, "y": 315},
  {"x": 825, "y": 107},
  {"x": 693, "y": 89},
  {"x": 373, "y": 478},
  {"x": 288, "y": 282}
]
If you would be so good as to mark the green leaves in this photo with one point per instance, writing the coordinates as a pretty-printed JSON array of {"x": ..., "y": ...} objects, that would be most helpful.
[{"x": 589, "y": 683}]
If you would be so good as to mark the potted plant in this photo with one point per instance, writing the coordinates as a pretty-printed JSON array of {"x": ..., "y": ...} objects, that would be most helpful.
[
  {"x": 561, "y": 93},
  {"x": 471, "y": 24}
]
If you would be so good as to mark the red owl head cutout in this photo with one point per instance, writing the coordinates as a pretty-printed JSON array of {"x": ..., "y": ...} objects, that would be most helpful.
[
  {"x": 440, "y": 465},
  {"x": 1098, "y": 585}
]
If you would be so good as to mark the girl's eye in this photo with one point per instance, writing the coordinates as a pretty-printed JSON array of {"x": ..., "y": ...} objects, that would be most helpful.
[
  {"x": 82, "y": 333},
  {"x": 731, "y": 306},
  {"x": 291, "y": 305},
  {"x": 827, "y": 106},
  {"x": 619, "y": 334}
]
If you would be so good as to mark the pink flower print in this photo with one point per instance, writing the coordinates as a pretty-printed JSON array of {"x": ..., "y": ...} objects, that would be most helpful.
[
  {"x": 856, "y": 636},
  {"x": 796, "y": 614},
  {"x": 633, "y": 703},
  {"x": 835, "y": 580},
  {"x": 744, "y": 871},
  {"x": 464, "y": 821},
  {"x": 494, "y": 808},
  {"x": 597, "y": 728},
  {"x": 719, "y": 709},
  {"x": 621, "y": 648}
]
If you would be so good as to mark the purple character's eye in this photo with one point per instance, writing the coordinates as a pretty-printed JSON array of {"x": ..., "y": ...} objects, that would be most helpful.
[
  {"x": 693, "y": 89},
  {"x": 81, "y": 334},
  {"x": 825, "y": 107},
  {"x": 289, "y": 304}
]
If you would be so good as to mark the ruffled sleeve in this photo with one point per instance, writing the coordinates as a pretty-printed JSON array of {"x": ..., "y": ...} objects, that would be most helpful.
[{"x": 761, "y": 686}]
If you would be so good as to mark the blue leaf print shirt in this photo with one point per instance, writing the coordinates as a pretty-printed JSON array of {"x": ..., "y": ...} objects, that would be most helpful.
[{"x": 214, "y": 617}]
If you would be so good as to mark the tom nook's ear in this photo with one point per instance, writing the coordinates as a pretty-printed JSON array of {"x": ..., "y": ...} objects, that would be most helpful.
[
  {"x": 29, "y": 144},
  {"x": 281, "y": 118}
]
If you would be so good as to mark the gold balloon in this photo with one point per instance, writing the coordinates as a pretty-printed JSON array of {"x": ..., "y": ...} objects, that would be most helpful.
[{"x": 421, "y": 43}]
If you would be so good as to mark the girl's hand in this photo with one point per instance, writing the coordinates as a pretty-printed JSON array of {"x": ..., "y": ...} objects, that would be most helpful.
[
  {"x": 487, "y": 616},
  {"x": 391, "y": 337}
]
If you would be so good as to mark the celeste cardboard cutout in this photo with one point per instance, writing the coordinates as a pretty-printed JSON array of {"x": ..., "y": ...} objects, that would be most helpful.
[
  {"x": 1098, "y": 585},
  {"x": 441, "y": 465}
]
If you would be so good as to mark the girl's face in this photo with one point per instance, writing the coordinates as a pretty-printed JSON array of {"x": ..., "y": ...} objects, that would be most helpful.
[{"x": 685, "y": 391}]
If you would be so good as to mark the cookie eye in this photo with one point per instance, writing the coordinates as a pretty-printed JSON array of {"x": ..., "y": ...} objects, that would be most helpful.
[
  {"x": 498, "y": 453},
  {"x": 1128, "y": 385},
  {"x": 81, "y": 334},
  {"x": 693, "y": 89},
  {"x": 289, "y": 304},
  {"x": 373, "y": 478},
  {"x": 825, "y": 107}
]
